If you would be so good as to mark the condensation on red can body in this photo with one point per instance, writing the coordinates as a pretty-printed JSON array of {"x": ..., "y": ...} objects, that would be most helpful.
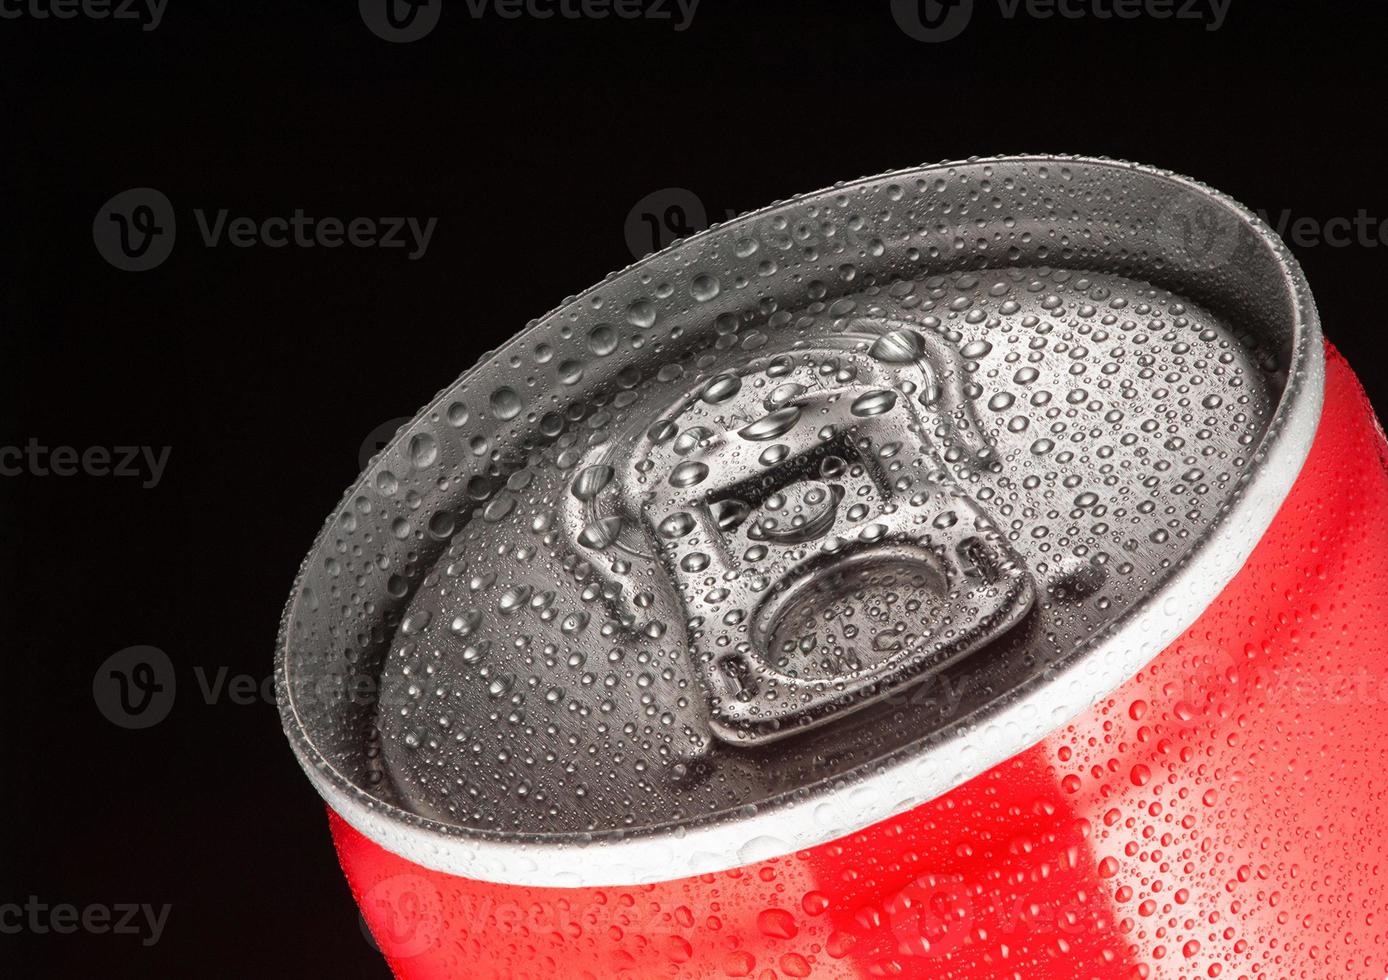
[{"x": 1221, "y": 816}]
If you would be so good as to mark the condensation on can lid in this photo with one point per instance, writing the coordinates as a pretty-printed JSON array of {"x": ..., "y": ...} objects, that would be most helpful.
[{"x": 801, "y": 522}]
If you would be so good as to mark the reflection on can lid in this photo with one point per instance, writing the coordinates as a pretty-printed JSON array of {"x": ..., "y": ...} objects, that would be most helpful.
[{"x": 801, "y": 522}]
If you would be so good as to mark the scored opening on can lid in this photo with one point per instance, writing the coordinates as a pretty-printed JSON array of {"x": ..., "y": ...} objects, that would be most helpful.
[{"x": 801, "y": 522}]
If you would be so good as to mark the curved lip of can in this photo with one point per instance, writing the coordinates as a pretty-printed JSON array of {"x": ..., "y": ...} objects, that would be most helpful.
[{"x": 925, "y": 771}]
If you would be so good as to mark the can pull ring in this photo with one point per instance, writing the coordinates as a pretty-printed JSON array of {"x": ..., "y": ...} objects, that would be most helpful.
[{"x": 798, "y": 505}]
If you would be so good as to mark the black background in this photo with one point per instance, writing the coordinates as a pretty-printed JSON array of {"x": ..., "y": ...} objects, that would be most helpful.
[{"x": 264, "y": 370}]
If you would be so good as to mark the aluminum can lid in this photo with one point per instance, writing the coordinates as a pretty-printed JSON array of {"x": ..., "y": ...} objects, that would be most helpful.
[{"x": 801, "y": 522}]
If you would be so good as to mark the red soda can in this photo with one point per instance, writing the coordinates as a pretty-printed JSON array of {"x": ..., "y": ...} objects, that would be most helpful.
[{"x": 969, "y": 572}]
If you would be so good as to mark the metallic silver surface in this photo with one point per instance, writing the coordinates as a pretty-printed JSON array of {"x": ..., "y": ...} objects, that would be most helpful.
[
  {"x": 801, "y": 522},
  {"x": 800, "y": 499}
]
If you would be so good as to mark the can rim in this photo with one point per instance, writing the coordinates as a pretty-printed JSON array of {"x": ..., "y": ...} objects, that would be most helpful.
[{"x": 795, "y": 822}]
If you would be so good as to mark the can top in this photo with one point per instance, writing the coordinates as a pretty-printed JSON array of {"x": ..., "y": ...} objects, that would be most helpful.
[{"x": 801, "y": 522}]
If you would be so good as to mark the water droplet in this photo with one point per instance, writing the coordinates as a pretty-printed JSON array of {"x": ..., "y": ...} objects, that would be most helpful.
[
  {"x": 688, "y": 473},
  {"x": 772, "y": 426},
  {"x": 898, "y": 347},
  {"x": 874, "y": 403}
]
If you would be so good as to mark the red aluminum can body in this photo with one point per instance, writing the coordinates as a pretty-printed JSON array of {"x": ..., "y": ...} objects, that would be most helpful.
[{"x": 1221, "y": 815}]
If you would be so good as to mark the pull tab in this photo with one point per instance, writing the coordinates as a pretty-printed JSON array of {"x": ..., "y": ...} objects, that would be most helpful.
[{"x": 803, "y": 484}]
